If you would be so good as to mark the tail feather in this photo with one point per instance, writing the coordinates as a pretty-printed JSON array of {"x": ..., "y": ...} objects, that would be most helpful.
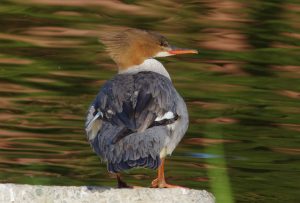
[{"x": 146, "y": 162}]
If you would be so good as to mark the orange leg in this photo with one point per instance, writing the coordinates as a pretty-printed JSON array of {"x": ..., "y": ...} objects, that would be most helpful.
[
  {"x": 160, "y": 181},
  {"x": 122, "y": 184}
]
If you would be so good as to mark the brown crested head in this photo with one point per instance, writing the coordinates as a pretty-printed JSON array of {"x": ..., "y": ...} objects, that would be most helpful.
[{"x": 131, "y": 47}]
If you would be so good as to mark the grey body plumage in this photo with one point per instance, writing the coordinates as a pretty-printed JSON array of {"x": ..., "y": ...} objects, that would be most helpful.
[{"x": 123, "y": 126}]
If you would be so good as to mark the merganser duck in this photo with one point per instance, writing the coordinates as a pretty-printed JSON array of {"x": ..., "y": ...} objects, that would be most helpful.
[{"x": 138, "y": 117}]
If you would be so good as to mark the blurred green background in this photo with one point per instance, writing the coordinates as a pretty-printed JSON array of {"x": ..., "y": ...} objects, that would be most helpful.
[{"x": 242, "y": 91}]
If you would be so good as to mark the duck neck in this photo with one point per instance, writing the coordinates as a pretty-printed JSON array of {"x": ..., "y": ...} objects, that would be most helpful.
[{"x": 148, "y": 65}]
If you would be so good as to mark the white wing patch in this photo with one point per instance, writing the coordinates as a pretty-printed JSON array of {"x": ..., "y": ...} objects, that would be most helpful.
[
  {"x": 168, "y": 115},
  {"x": 90, "y": 124},
  {"x": 93, "y": 124}
]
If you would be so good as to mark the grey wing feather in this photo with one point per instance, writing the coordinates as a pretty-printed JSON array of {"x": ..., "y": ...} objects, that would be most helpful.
[{"x": 134, "y": 101}]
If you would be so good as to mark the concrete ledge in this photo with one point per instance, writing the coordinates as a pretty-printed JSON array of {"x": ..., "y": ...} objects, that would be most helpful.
[{"x": 64, "y": 194}]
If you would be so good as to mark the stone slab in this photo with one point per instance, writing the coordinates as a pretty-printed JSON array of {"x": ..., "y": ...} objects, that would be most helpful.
[{"x": 14, "y": 193}]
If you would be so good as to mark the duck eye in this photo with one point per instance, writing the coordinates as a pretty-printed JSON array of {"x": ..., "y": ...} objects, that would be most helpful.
[{"x": 164, "y": 44}]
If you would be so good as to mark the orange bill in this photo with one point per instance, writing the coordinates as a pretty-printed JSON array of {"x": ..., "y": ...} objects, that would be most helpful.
[{"x": 182, "y": 51}]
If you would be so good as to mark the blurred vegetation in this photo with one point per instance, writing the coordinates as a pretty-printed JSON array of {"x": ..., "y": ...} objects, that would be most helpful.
[{"x": 242, "y": 91}]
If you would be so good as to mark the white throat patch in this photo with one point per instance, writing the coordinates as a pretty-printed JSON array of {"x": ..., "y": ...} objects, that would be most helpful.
[
  {"x": 163, "y": 54},
  {"x": 148, "y": 65}
]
